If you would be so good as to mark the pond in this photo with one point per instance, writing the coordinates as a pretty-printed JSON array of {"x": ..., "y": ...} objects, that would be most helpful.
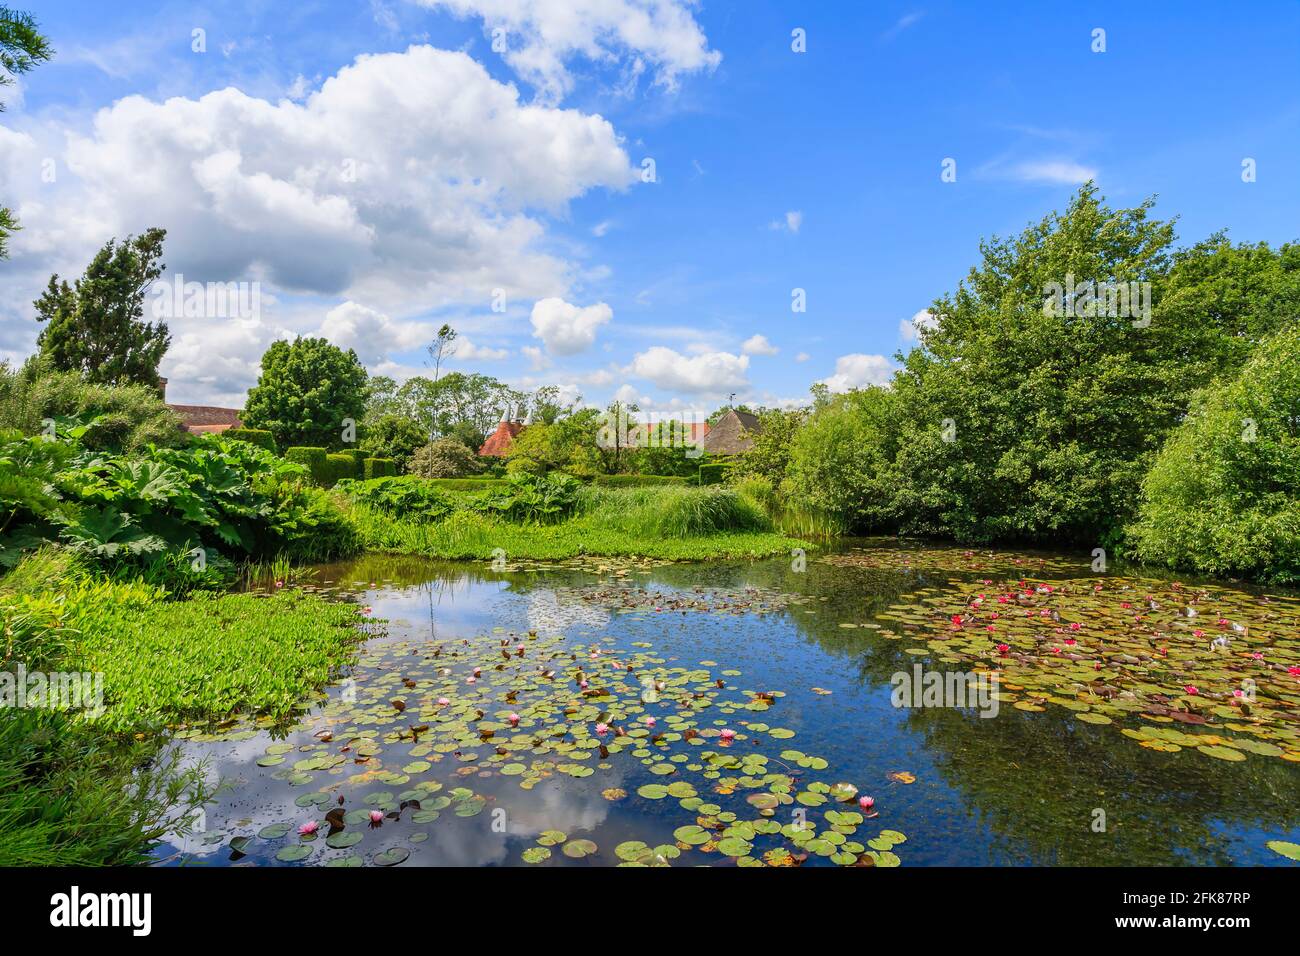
[{"x": 736, "y": 713}]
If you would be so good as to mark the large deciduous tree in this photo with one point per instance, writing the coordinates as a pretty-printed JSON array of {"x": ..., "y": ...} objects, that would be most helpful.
[
  {"x": 307, "y": 390},
  {"x": 96, "y": 326}
]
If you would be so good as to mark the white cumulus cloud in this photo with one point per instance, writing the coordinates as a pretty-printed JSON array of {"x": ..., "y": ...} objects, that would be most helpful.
[
  {"x": 541, "y": 36},
  {"x": 709, "y": 373},
  {"x": 567, "y": 329},
  {"x": 858, "y": 371},
  {"x": 758, "y": 345}
]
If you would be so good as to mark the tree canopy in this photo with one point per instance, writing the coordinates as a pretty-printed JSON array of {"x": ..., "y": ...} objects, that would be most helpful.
[
  {"x": 95, "y": 326},
  {"x": 306, "y": 391}
]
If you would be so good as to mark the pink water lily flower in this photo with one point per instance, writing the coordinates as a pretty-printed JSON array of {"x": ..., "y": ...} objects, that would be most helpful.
[
  {"x": 1191, "y": 689},
  {"x": 514, "y": 720},
  {"x": 376, "y": 818},
  {"x": 649, "y": 721},
  {"x": 443, "y": 701},
  {"x": 1003, "y": 648},
  {"x": 602, "y": 729},
  {"x": 1293, "y": 671},
  {"x": 727, "y": 734},
  {"x": 308, "y": 828},
  {"x": 866, "y": 803}
]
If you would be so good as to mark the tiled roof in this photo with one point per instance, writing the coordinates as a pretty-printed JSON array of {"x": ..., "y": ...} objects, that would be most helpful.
[
  {"x": 733, "y": 434},
  {"x": 499, "y": 441},
  {"x": 207, "y": 418}
]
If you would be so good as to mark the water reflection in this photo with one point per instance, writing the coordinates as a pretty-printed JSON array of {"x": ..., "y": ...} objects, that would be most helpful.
[{"x": 1025, "y": 788}]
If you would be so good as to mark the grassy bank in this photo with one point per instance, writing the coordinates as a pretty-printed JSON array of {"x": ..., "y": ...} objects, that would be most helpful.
[
  {"x": 678, "y": 523},
  {"x": 98, "y": 788}
]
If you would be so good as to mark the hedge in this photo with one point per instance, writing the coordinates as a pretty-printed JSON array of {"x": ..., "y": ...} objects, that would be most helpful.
[
  {"x": 254, "y": 436},
  {"x": 714, "y": 473},
  {"x": 340, "y": 466},
  {"x": 316, "y": 460},
  {"x": 358, "y": 457},
  {"x": 638, "y": 481},
  {"x": 380, "y": 468}
]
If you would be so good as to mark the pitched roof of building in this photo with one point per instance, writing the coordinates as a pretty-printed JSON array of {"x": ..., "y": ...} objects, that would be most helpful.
[
  {"x": 733, "y": 434},
  {"x": 207, "y": 418},
  {"x": 499, "y": 441}
]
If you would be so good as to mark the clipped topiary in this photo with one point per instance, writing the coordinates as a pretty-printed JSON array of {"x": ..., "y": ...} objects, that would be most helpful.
[{"x": 316, "y": 460}]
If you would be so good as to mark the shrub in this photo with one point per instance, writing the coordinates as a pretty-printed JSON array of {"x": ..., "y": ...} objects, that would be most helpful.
[
  {"x": 465, "y": 484},
  {"x": 1223, "y": 496},
  {"x": 713, "y": 473},
  {"x": 315, "y": 460},
  {"x": 379, "y": 467},
  {"x": 539, "y": 498},
  {"x": 340, "y": 467},
  {"x": 404, "y": 496},
  {"x": 393, "y": 436},
  {"x": 445, "y": 458},
  {"x": 524, "y": 465},
  {"x": 840, "y": 461},
  {"x": 127, "y": 513},
  {"x": 119, "y": 418},
  {"x": 638, "y": 481},
  {"x": 254, "y": 436}
]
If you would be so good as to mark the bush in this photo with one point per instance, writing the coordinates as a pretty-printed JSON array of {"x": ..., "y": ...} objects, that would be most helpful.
[
  {"x": 358, "y": 456},
  {"x": 404, "y": 496},
  {"x": 254, "y": 436},
  {"x": 539, "y": 498},
  {"x": 713, "y": 473},
  {"x": 379, "y": 467},
  {"x": 465, "y": 484},
  {"x": 445, "y": 458},
  {"x": 340, "y": 467},
  {"x": 841, "y": 460},
  {"x": 118, "y": 419},
  {"x": 1224, "y": 494},
  {"x": 315, "y": 460},
  {"x": 393, "y": 436},
  {"x": 524, "y": 465},
  {"x": 638, "y": 481},
  {"x": 128, "y": 513}
]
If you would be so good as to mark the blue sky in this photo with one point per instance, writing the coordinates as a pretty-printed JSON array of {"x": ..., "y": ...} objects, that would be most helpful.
[{"x": 477, "y": 171}]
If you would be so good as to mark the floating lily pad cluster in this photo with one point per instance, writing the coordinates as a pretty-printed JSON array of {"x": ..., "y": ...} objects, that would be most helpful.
[
  {"x": 530, "y": 708},
  {"x": 626, "y": 598},
  {"x": 1211, "y": 669}
]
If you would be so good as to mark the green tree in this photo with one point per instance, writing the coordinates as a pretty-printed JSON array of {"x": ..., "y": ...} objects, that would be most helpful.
[
  {"x": 95, "y": 326},
  {"x": 840, "y": 462},
  {"x": 306, "y": 391},
  {"x": 22, "y": 47},
  {"x": 1224, "y": 494},
  {"x": 1027, "y": 416},
  {"x": 393, "y": 436},
  {"x": 770, "y": 455}
]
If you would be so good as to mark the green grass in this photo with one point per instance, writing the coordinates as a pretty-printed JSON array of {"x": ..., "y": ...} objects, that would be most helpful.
[{"x": 669, "y": 522}]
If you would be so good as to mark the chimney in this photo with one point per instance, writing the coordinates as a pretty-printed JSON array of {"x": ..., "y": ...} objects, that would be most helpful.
[{"x": 162, "y": 388}]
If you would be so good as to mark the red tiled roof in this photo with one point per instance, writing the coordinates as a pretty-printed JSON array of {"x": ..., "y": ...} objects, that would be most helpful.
[
  {"x": 207, "y": 418},
  {"x": 499, "y": 441}
]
